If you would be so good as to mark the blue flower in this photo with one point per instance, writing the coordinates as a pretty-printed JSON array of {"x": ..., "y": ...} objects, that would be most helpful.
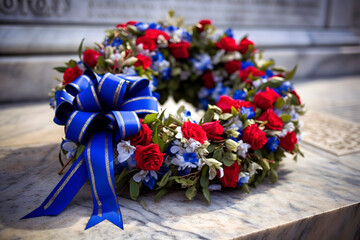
[
  {"x": 163, "y": 170},
  {"x": 150, "y": 183},
  {"x": 239, "y": 95},
  {"x": 184, "y": 172},
  {"x": 284, "y": 88},
  {"x": 202, "y": 62},
  {"x": 242, "y": 180},
  {"x": 172, "y": 28},
  {"x": 158, "y": 57},
  {"x": 142, "y": 26},
  {"x": 117, "y": 42},
  {"x": 229, "y": 33},
  {"x": 204, "y": 103},
  {"x": 248, "y": 112},
  {"x": 269, "y": 73},
  {"x": 272, "y": 144},
  {"x": 245, "y": 64},
  {"x": 191, "y": 157},
  {"x": 166, "y": 74},
  {"x": 187, "y": 37}
]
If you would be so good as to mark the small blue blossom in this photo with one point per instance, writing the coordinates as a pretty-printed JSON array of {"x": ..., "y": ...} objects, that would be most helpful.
[
  {"x": 150, "y": 182},
  {"x": 269, "y": 73},
  {"x": 229, "y": 33},
  {"x": 201, "y": 63},
  {"x": 172, "y": 28},
  {"x": 248, "y": 112},
  {"x": 284, "y": 88},
  {"x": 239, "y": 95},
  {"x": 184, "y": 171},
  {"x": 272, "y": 144},
  {"x": 142, "y": 26},
  {"x": 245, "y": 64},
  {"x": 244, "y": 178},
  {"x": 117, "y": 42},
  {"x": 191, "y": 157},
  {"x": 186, "y": 36}
]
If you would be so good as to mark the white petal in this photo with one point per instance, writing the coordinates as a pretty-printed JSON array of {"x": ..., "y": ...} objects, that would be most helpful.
[{"x": 137, "y": 177}]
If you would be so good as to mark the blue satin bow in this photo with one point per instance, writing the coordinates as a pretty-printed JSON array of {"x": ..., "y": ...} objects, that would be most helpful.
[{"x": 97, "y": 111}]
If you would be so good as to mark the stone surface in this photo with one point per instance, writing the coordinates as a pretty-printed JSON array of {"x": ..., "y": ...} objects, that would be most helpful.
[{"x": 318, "y": 191}]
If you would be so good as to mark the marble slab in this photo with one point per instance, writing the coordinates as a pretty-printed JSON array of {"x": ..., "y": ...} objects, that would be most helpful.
[{"x": 318, "y": 191}]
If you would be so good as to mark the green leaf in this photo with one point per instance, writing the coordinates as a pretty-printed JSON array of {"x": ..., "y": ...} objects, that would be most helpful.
[
  {"x": 211, "y": 147},
  {"x": 279, "y": 103},
  {"x": 245, "y": 188},
  {"x": 291, "y": 73},
  {"x": 80, "y": 48},
  {"x": 164, "y": 179},
  {"x": 101, "y": 62},
  {"x": 72, "y": 63},
  {"x": 258, "y": 153},
  {"x": 218, "y": 154},
  {"x": 149, "y": 118},
  {"x": 294, "y": 100},
  {"x": 134, "y": 189},
  {"x": 60, "y": 69},
  {"x": 273, "y": 176},
  {"x": 285, "y": 117},
  {"x": 228, "y": 159},
  {"x": 204, "y": 178},
  {"x": 79, "y": 151},
  {"x": 209, "y": 116},
  {"x": 186, "y": 182},
  {"x": 206, "y": 194},
  {"x": 191, "y": 193},
  {"x": 226, "y": 116},
  {"x": 180, "y": 110},
  {"x": 264, "y": 164},
  {"x": 119, "y": 177},
  {"x": 279, "y": 69},
  {"x": 160, "y": 193},
  {"x": 274, "y": 82}
]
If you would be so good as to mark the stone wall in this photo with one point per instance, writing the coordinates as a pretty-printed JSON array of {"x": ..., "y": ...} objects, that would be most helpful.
[{"x": 36, "y": 35}]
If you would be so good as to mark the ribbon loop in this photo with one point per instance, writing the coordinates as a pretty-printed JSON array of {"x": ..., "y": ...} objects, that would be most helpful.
[{"x": 64, "y": 107}]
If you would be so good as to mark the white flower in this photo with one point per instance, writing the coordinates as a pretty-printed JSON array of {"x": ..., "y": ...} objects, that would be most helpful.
[
  {"x": 145, "y": 175},
  {"x": 217, "y": 57},
  {"x": 70, "y": 147},
  {"x": 178, "y": 160},
  {"x": 213, "y": 166},
  {"x": 125, "y": 150},
  {"x": 243, "y": 149},
  {"x": 289, "y": 127},
  {"x": 252, "y": 169}
]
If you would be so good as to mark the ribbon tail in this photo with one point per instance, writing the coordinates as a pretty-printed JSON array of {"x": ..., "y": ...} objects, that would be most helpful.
[
  {"x": 99, "y": 162},
  {"x": 64, "y": 191}
]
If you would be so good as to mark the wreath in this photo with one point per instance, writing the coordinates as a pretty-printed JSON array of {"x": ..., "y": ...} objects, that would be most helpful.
[{"x": 116, "y": 138}]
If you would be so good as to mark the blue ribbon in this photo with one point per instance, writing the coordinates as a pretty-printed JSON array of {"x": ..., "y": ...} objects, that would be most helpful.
[{"x": 97, "y": 111}]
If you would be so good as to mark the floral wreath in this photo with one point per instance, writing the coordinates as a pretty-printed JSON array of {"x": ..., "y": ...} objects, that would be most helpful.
[{"x": 116, "y": 139}]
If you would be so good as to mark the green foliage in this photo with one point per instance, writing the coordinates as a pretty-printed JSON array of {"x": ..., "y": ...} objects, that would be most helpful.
[
  {"x": 80, "y": 49},
  {"x": 134, "y": 189},
  {"x": 60, "y": 69},
  {"x": 191, "y": 193}
]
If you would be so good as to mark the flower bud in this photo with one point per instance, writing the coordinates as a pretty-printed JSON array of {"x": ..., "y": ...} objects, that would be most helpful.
[{"x": 231, "y": 145}]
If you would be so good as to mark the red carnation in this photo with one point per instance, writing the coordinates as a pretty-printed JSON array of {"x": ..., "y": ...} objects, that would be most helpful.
[
  {"x": 208, "y": 79},
  {"x": 143, "y": 138},
  {"x": 147, "y": 43},
  {"x": 213, "y": 130},
  {"x": 179, "y": 50},
  {"x": 266, "y": 99},
  {"x": 245, "y": 44},
  {"x": 293, "y": 92},
  {"x": 71, "y": 74},
  {"x": 288, "y": 142},
  {"x": 228, "y": 44},
  {"x": 143, "y": 61},
  {"x": 149, "y": 157},
  {"x": 231, "y": 175},
  {"x": 232, "y": 66},
  {"x": 254, "y": 136},
  {"x": 90, "y": 57},
  {"x": 201, "y": 25},
  {"x": 194, "y": 131},
  {"x": 274, "y": 122},
  {"x": 154, "y": 34},
  {"x": 244, "y": 74}
]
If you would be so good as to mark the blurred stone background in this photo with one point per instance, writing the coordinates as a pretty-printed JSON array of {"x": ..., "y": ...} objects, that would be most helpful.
[{"x": 322, "y": 36}]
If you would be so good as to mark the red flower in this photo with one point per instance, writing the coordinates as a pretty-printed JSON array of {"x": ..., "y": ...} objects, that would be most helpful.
[
  {"x": 149, "y": 157},
  {"x": 293, "y": 92},
  {"x": 208, "y": 79},
  {"x": 71, "y": 74},
  {"x": 274, "y": 122},
  {"x": 244, "y": 45},
  {"x": 213, "y": 130},
  {"x": 228, "y": 44},
  {"x": 225, "y": 103},
  {"x": 232, "y": 66},
  {"x": 266, "y": 99},
  {"x": 254, "y": 136},
  {"x": 143, "y": 138},
  {"x": 143, "y": 61},
  {"x": 147, "y": 43},
  {"x": 154, "y": 34},
  {"x": 244, "y": 74},
  {"x": 179, "y": 50},
  {"x": 231, "y": 175},
  {"x": 288, "y": 142},
  {"x": 201, "y": 25},
  {"x": 194, "y": 131},
  {"x": 124, "y": 25},
  {"x": 90, "y": 57}
]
